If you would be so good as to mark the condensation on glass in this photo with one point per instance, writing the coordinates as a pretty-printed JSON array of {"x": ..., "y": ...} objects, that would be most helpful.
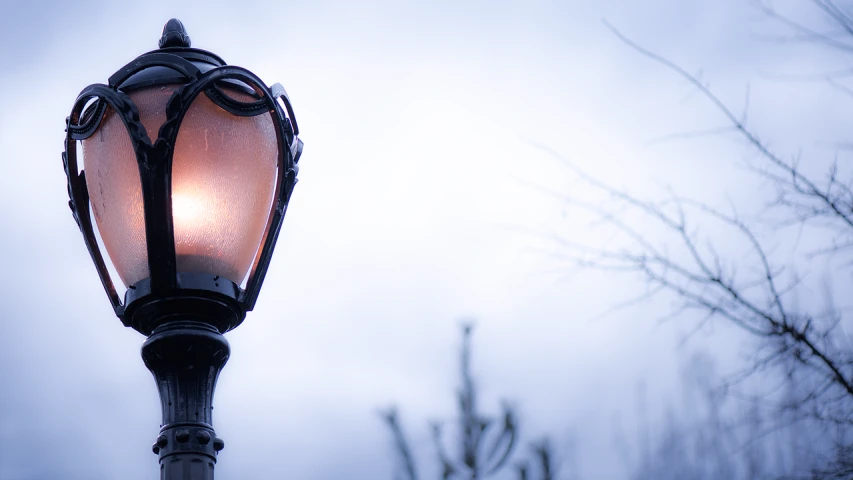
[{"x": 223, "y": 180}]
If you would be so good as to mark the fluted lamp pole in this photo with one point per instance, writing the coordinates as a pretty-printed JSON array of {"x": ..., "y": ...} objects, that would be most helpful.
[{"x": 187, "y": 169}]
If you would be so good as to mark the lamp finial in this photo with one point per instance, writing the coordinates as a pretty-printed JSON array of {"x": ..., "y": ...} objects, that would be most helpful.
[{"x": 174, "y": 35}]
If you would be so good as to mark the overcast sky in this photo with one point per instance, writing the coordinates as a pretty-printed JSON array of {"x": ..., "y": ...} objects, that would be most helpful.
[{"x": 413, "y": 210}]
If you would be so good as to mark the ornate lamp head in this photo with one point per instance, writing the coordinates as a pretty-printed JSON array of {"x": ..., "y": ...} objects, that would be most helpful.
[{"x": 188, "y": 167}]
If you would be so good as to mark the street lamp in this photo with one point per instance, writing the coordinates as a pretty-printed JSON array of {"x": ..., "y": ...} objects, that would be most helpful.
[{"x": 189, "y": 167}]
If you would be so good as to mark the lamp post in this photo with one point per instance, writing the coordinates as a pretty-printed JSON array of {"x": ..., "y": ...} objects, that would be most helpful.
[{"x": 188, "y": 167}]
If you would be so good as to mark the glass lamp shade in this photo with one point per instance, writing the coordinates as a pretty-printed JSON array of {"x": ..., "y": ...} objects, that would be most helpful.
[{"x": 222, "y": 185}]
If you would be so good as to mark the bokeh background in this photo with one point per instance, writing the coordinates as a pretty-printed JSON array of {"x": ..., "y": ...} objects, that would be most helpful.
[{"x": 424, "y": 199}]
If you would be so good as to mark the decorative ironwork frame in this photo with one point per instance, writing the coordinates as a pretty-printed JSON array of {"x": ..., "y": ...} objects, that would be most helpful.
[{"x": 167, "y": 293}]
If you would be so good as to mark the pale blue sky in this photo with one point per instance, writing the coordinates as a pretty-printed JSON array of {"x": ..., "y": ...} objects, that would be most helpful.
[{"x": 413, "y": 190}]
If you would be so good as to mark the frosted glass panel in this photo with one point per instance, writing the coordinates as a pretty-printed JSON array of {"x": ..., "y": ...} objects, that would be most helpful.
[
  {"x": 223, "y": 177},
  {"x": 115, "y": 193}
]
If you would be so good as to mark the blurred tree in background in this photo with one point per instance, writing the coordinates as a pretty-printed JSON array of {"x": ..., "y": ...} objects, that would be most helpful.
[
  {"x": 484, "y": 444},
  {"x": 770, "y": 269},
  {"x": 715, "y": 436},
  {"x": 743, "y": 265}
]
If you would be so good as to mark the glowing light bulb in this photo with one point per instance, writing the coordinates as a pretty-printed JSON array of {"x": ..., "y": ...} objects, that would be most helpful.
[{"x": 187, "y": 211}]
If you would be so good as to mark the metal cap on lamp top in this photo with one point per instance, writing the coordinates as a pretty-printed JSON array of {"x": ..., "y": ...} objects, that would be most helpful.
[{"x": 189, "y": 165}]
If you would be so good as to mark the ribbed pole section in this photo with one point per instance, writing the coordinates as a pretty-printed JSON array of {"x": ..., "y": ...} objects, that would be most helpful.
[{"x": 185, "y": 359}]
